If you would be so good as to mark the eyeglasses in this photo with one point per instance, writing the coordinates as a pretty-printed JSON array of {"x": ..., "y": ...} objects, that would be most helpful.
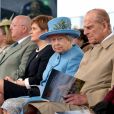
[{"x": 14, "y": 25}]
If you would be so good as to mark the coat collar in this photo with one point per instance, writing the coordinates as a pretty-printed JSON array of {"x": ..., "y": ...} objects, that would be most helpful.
[{"x": 106, "y": 43}]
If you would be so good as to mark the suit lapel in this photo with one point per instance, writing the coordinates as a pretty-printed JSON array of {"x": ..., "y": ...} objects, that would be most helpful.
[
  {"x": 14, "y": 49},
  {"x": 9, "y": 53},
  {"x": 35, "y": 55},
  {"x": 31, "y": 58},
  {"x": 2, "y": 56}
]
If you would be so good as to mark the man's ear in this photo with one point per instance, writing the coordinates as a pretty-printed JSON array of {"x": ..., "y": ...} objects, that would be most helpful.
[
  {"x": 105, "y": 25},
  {"x": 24, "y": 28}
]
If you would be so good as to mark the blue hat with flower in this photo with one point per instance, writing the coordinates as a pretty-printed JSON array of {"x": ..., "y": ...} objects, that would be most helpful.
[{"x": 60, "y": 25}]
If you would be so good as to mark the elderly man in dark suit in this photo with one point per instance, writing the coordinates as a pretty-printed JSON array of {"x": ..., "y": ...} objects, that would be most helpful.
[{"x": 14, "y": 60}]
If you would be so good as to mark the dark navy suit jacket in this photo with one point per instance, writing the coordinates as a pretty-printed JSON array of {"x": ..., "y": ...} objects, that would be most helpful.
[{"x": 36, "y": 65}]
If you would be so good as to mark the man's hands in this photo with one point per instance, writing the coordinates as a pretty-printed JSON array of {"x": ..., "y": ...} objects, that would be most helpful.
[{"x": 76, "y": 99}]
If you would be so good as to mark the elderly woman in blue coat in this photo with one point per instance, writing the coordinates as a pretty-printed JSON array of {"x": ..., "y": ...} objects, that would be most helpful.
[{"x": 66, "y": 58}]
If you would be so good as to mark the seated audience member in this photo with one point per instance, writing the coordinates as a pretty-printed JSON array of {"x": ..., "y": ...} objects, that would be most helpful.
[
  {"x": 98, "y": 80},
  {"x": 96, "y": 67},
  {"x": 14, "y": 61},
  {"x": 36, "y": 63},
  {"x": 82, "y": 41},
  {"x": 107, "y": 105},
  {"x": 5, "y": 36},
  {"x": 66, "y": 58}
]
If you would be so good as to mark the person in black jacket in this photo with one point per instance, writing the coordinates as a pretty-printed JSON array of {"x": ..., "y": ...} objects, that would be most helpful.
[
  {"x": 107, "y": 105},
  {"x": 35, "y": 67}
]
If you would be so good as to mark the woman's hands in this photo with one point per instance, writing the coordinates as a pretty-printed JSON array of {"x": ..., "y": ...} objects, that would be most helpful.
[{"x": 19, "y": 82}]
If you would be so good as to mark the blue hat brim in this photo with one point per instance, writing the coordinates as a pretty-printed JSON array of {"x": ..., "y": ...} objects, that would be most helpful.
[{"x": 73, "y": 33}]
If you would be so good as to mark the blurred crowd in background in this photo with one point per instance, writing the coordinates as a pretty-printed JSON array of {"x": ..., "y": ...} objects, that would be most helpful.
[{"x": 31, "y": 8}]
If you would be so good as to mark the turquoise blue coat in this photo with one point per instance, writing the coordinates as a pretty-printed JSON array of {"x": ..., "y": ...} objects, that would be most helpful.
[{"x": 67, "y": 62}]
